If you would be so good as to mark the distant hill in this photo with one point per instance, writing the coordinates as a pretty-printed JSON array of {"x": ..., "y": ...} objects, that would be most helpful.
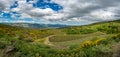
[
  {"x": 35, "y": 25},
  {"x": 108, "y": 27}
]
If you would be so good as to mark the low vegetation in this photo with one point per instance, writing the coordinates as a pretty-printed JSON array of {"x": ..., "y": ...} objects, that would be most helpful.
[
  {"x": 108, "y": 27},
  {"x": 101, "y": 39}
]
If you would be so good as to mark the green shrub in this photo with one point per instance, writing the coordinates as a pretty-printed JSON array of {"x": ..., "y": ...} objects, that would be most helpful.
[
  {"x": 116, "y": 37},
  {"x": 2, "y": 45}
]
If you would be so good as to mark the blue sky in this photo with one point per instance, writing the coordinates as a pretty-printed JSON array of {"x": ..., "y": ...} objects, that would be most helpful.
[
  {"x": 71, "y": 12},
  {"x": 39, "y": 4}
]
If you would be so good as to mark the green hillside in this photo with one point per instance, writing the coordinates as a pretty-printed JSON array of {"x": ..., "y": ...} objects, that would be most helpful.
[
  {"x": 106, "y": 27},
  {"x": 101, "y": 39}
]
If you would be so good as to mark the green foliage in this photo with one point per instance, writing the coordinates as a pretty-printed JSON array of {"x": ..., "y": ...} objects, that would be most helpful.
[
  {"x": 62, "y": 38},
  {"x": 116, "y": 37},
  {"x": 2, "y": 45},
  {"x": 72, "y": 46},
  {"x": 23, "y": 40},
  {"x": 109, "y": 28},
  {"x": 82, "y": 30}
]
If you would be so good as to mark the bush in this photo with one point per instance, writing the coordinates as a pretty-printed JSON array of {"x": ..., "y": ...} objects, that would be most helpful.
[
  {"x": 116, "y": 37},
  {"x": 2, "y": 45}
]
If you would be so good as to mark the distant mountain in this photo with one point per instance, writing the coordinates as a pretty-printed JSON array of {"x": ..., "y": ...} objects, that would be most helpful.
[{"x": 35, "y": 25}]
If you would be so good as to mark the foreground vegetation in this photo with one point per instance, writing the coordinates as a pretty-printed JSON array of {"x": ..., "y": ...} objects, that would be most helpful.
[{"x": 101, "y": 39}]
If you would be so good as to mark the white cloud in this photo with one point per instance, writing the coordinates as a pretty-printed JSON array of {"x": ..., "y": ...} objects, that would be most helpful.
[
  {"x": 102, "y": 14},
  {"x": 89, "y": 10},
  {"x": 73, "y": 10},
  {"x": 5, "y": 5},
  {"x": 36, "y": 12}
]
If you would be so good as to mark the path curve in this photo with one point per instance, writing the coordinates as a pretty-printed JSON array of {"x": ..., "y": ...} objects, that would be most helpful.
[{"x": 47, "y": 42}]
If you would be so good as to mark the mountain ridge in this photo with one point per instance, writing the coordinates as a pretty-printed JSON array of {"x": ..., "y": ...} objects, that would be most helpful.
[{"x": 36, "y": 25}]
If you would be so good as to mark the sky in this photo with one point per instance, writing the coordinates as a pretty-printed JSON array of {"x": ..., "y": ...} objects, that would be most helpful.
[{"x": 70, "y": 12}]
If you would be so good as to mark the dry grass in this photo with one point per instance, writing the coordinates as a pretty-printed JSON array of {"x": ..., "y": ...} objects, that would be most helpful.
[
  {"x": 63, "y": 43},
  {"x": 62, "y": 38},
  {"x": 116, "y": 50}
]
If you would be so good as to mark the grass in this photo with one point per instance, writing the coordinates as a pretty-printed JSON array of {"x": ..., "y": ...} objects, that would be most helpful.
[
  {"x": 108, "y": 27},
  {"x": 82, "y": 41},
  {"x": 67, "y": 44},
  {"x": 116, "y": 50},
  {"x": 62, "y": 38}
]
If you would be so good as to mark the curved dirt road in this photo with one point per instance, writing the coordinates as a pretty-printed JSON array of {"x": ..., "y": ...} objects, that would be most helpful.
[{"x": 47, "y": 42}]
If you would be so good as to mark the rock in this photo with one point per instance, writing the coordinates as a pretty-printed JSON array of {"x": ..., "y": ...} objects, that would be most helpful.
[{"x": 9, "y": 49}]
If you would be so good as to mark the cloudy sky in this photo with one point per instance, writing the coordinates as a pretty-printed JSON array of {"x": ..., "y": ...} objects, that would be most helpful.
[{"x": 71, "y": 12}]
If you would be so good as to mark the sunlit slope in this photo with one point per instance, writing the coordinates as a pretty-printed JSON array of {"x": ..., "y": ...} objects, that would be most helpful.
[
  {"x": 106, "y": 27},
  {"x": 101, "y": 39},
  {"x": 77, "y": 34},
  {"x": 29, "y": 34},
  {"x": 21, "y": 42}
]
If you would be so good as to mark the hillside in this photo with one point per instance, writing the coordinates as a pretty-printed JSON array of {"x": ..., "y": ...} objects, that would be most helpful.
[
  {"x": 106, "y": 27},
  {"x": 101, "y": 39},
  {"x": 38, "y": 26}
]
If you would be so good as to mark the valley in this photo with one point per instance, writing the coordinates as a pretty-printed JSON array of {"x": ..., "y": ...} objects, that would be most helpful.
[{"x": 73, "y": 41}]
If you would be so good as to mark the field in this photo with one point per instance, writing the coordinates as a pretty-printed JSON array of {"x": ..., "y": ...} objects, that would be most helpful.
[
  {"x": 68, "y": 40},
  {"x": 101, "y": 39}
]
